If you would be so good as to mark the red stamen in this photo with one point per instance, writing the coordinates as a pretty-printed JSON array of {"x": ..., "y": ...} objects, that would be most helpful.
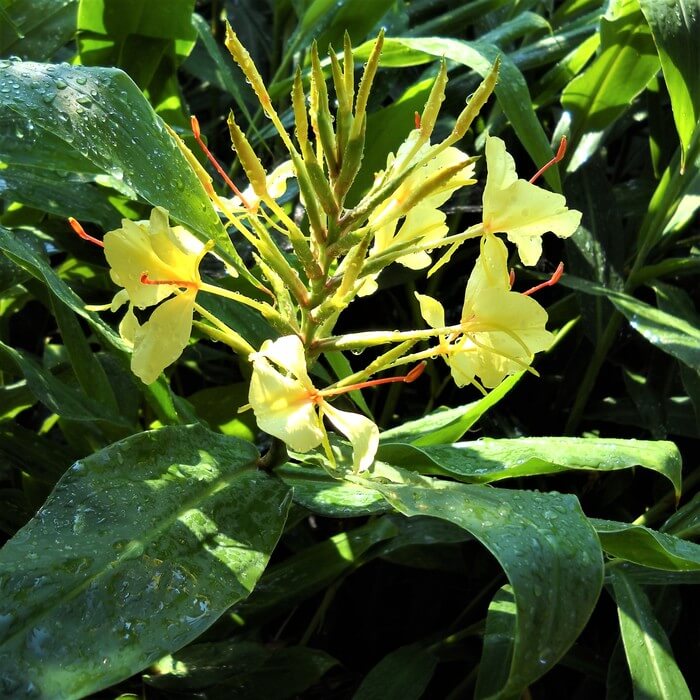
[
  {"x": 416, "y": 120},
  {"x": 511, "y": 277},
  {"x": 407, "y": 379},
  {"x": 561, "y": 151},
  {"x": 548, "y": 283},
  {"x": 196, "y": 132},
  {"x": 144, "y": 279},
  {"x": 75, "y": 225}
]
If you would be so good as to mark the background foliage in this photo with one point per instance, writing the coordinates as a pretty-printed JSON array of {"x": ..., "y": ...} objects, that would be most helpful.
[{"x": 396, "y": 590}]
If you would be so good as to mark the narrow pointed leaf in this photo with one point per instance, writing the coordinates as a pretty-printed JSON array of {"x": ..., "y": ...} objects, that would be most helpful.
[
  {"x": 487, "y": 460},
  {"x": 654, "y": 671}
]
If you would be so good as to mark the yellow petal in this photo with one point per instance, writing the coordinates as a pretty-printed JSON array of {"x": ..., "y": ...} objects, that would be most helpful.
[
  {"x": 288, "y": 353},
  {"x": 520, "y": 209},
  {"x": 283, "y": 407},
  {"x": 362, "y": 433},
  {"x": 161, "y": 340},
  {"x": 431, "y": 310},
  {"x": 490, "y": 272}
]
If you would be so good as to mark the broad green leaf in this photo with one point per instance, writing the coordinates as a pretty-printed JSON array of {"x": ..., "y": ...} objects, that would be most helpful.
[
  {"x": 36, "y": 29},
  {"x": 446, "y": 425},
  {"x": 401, "y": 675},
  {"x": 605, "y": 90},
  {"x": 313, "y": 488},
  {"x": 675, "y": 27},
  {"x": 241, "y": 669},
  {"x": 100, "y": 113},
  {"x": 489, "y": 459},
  {"x": 138, "y": 550},
  {"x": 218, "y": 406},
  {"x": 284, "y": 585},
  {"x": 511, "y": 89},
  {"x": 654, "y": 671},
  {"x": 646, "y": 547},
  {"x": 554, "y": 565}
]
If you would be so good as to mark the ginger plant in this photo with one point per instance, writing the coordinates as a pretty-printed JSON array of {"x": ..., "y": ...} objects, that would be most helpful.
[{"x": 337, "y": 253}]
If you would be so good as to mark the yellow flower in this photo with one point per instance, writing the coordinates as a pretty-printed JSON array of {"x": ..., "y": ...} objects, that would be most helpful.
[
  {"x": 288, "y": 406},
  {"x": 153, "y": 261},
  {"x": 424, "y": 222},
  {"x": 499, "y": 330},
  {"x": 520, "y": 209}
]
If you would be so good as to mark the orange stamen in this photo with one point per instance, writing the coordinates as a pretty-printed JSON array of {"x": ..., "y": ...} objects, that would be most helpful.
[
  {"x": 547, "y": 283},
  {"x": 511, "y": 277},
  {"x": 416, "y": 120},
  {"x": 198, "y": 138},
  {"x": 407, "y": 379},
  {"x": 561, "y": 151},
  {"x": 144, "y": 279},
  {"x": 75, "y": 225}
]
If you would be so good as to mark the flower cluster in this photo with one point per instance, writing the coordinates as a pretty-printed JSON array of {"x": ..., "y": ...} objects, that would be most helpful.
[{"x": 339, "y": 253}]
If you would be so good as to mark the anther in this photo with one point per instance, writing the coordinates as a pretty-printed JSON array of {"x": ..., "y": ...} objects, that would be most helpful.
[
  {"x": 75, "y": 225},
  {"x": 561, "y": 151},
  {"x": 416, "y": 119},
  {"x": 197, "y": 133},
  {"x": 547, "y": 283}
]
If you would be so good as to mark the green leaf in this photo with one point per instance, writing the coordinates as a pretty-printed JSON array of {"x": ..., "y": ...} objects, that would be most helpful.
[
  {"x": 606, "y": 89},
  {"x": 138, "y": 550},
  {"x": 58, "y": 397},
  {"x": 554, "y": 565},
  {"x": 100, "y": 113},
  {"x": 669, "y": 333},
  {"x": 446, "y": 425},
  {"x": 641, "y": 545},
  {"x": 685, "y": 522},
  {"x": 284, "y": 585},
  {"x": 135, "y": 36},
  {"x": 37, "y": 28},
  {"x": 511, "y": 90},
  {"x": 403, "y": 674},
  {"x": 59, "y": 194},
  {"x": 675, "y": 27},
  {"x": 241, "y": 670},
  {"x": 654, "y": 671},
  {"x": 489, "y": 459},
  {"x": 320, "y": 493}
]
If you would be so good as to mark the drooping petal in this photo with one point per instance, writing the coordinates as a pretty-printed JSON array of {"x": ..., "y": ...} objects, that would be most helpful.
[
  {"x": 362, "y": 433},
  {"x": 431, "y": 310},
  {"x": 490, "y": 272},
  {"x": 520, "y": 209},
  {"x": 161, "y": 340},
  {"x": 283, "y": 407}
]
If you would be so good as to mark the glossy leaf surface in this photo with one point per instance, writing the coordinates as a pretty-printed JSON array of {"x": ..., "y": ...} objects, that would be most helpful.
[{"x": 139, "y": 549}]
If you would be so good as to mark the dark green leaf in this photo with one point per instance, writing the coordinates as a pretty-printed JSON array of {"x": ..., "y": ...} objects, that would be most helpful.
[
  {"x": 554, "y": 565},
  {"x": 100, "y": 113},
  {"x": 139, "y": 549},
  {"x": 401, "y": 675}
]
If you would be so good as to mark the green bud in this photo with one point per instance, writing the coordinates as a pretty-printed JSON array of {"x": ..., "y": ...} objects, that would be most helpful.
[
  {"x": 251, "y": 163},
  {"x": 366, "y": 83}
]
